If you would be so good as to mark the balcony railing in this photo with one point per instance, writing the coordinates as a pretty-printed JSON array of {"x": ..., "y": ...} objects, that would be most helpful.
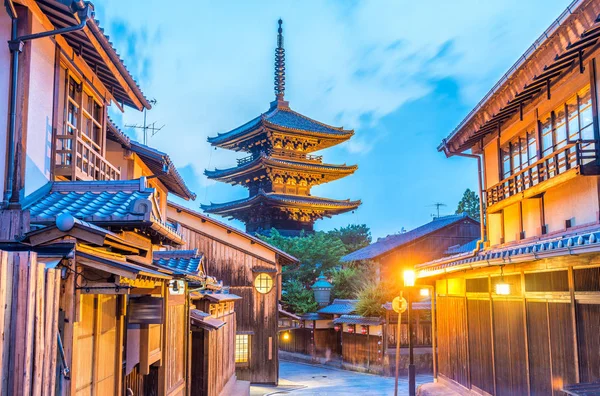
[
  {"x": 82, "y": 163},
  {"x": 283, "y": 154},
  {"x": 560, "y": 161}
]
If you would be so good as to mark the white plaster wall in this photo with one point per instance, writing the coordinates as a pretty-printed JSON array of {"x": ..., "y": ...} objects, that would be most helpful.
[
  {"x": 39, "y": 117},
  {"x": 5, "y": 27},
  {"x": 577, "y": 199}
]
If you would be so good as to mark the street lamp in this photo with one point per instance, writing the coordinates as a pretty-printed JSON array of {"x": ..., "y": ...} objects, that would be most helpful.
[
  {"x": 409, "y": 283},
  {"x": 286, "y": 336}
]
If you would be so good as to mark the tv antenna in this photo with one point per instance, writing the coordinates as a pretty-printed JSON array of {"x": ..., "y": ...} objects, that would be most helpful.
[
  {"x": 147, "y": 127},
  {"x": 437, "y": 205}
]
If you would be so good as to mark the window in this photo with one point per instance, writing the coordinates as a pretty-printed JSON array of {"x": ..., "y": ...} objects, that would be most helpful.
[
  {"x": 263, "y": 283},
  {"x": 242, "y": 348},
  {"x": 92, "y": 121},
  {"x": 519, "y": 153}
]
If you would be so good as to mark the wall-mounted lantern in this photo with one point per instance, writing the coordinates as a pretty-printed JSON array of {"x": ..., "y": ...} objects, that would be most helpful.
[
  {"x": 351, "y": 328},
  {"x": 337, "y": 327},
  {"x": 364, "y": 330},
  {"x": 322, "y": 290}
]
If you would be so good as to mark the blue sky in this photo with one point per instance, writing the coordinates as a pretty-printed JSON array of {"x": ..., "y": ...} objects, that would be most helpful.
[{"x": 401, "y": 74}]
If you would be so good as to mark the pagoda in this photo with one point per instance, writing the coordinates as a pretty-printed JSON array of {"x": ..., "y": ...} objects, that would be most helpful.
[{"x": 280, "y": 169}]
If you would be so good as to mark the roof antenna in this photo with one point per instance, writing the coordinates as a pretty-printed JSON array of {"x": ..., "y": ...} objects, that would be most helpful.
[{"x": 279, "y": 65}]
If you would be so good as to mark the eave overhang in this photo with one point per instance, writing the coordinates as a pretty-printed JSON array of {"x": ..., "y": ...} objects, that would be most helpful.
[
  {"x": 487, "y": 117},
  {"x": 96, "y": 50}
]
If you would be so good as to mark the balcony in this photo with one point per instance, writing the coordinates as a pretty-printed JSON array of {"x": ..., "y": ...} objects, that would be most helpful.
[
  {"x": 561, "y": 162},
  {"x": 84, "y": 162},
  {"x": 286, "y": 155}
]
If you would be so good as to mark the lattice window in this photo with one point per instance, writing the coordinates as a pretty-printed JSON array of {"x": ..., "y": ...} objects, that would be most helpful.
[
  {"x": 242, "y": 348},
  {"x": 263, "y": 283}
]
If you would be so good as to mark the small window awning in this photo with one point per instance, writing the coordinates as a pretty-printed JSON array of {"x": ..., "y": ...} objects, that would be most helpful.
[
  {"x": 214, "y": 297},
  {"x": 202, "y": 319}
]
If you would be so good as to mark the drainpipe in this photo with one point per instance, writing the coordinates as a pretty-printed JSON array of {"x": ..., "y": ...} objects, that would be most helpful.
[
  {"x": 480, "y": 180},
  {"x": 16, "y": 44}
]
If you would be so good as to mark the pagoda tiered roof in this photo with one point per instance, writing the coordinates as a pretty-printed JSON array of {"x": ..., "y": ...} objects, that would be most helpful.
[
  {"x": 330, "y": 206},
  {"x": 263, "y": 162},
  {"x": 283, "y": 119}
]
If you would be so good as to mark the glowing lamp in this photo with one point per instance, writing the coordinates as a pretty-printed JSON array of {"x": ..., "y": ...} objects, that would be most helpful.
[
  {"x": 502, "y": 289},
  {"x": 424, "y": 292},
  {"x": 364, "y": 330},
  {"x": 351, "y": 329},
  {"x": 286, "y": 336},
  {"x": 409, "y": 278},
  {"x": 337, "y": 327}
]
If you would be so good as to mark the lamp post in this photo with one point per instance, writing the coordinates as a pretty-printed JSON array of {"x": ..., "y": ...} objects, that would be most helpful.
[{"x": 409, "y": 283}]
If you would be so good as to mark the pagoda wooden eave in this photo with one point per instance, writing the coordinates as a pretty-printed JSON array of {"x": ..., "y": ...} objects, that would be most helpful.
[
  {"x": 262, "y": 164},
  {"x": 283, "y": 201}
]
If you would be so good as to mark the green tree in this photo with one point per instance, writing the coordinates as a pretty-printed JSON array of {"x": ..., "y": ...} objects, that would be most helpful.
[
  {"x": 373, "y": 295},
  {"x": 469, "y": 204},
  {"x": 297, "y": 298},
  {"x": 316, "y": 252},
  {"x": 346, "y": 282},
  {"x": 353, "y": 236}
]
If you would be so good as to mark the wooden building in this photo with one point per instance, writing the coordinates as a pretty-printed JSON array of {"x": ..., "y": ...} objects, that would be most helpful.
[
  {"x": 280, "y": 169},
  {"x": 391, "y": 255},
  {"x": 521, "y": 315},
  {"x": 252, "y": 270},
  {"x": 89, "y": 304}
]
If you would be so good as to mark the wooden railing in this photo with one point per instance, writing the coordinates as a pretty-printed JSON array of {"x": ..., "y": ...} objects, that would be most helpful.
[
  {"x": 284, "y": 154},
  {"x": 558, "y": 162},
  {"x": 76, "y": 159}
]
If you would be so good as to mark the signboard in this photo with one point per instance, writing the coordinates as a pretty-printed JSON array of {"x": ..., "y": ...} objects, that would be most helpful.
[
  {"x": 399, "y": 305},
  {"x": 146, "y": 310},
  {"x": 176, "y": 287}
]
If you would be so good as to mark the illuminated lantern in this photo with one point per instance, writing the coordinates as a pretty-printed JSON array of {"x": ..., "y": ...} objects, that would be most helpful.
[
  {"x": 286, "y": 336},
  {"x": 337, "y": 327},
  {"x": 364, "y": 329},
  {"x": 502, "y": 288},
  {"x": 350, "y": 328}
]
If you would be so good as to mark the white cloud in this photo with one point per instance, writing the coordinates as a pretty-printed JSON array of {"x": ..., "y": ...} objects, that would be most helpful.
[{"x": 348, "y": 63}]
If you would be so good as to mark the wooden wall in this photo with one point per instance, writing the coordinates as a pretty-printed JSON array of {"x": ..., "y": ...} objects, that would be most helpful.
[
  {"x": 317, "y": 342},
  {"x": 544, "y": 335},
  {"x": 213, "y": 358},
  {"x": 174, "y": 368},
  {"x": 29, "y": 301},
  {"x": 256, "y": 313},
  {"x": 428, "y": 248},
  {"x": 362, "y": 350}
]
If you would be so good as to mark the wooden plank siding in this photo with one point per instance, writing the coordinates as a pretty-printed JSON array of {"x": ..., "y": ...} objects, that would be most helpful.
[
  {"x": 256, "y": 313},
  {"x": 541, "y": 337},
  {"x": 28, "y": 323}
]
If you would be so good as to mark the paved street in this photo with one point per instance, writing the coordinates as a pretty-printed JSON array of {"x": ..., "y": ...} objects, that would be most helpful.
[{"x": 304, "y": 379}]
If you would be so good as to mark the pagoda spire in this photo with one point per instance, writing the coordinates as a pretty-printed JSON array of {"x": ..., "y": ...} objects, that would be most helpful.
[{"x": 279, "y": 65}]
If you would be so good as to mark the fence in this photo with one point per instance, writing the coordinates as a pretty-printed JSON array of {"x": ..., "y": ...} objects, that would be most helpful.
[{"x": 29, "y": 299}]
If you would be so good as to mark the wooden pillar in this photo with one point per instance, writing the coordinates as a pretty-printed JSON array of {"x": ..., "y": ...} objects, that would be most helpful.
[
  {"x": 522, "y": 277},
  {"x": 493, "y": 342},
  {"x": 574, "y": 323},
  {"x": 434, "y": 332}
]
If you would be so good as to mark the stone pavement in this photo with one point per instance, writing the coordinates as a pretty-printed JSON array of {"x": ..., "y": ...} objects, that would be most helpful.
[{"x": 317, "y": 380}]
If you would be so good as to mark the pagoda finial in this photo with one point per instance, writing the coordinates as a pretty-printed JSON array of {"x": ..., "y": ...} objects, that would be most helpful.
[{"x": 279, "y": 65}]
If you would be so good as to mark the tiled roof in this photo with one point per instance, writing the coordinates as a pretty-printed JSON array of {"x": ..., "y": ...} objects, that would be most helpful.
[
  {"x": 467, "y": 247},
  {"x": 182, "y": 262},
  {"x": 283, "y": 199},
  {"x": 577, "y": 242},
  {"x": 392, "y": 242},
  {"x": 339, "y": 307},
  {"x": 312, "y": 316},
  {"x": 204, "y": 320},
  {"x": 115, "y": 134},
  {"x": 104, "y": 203},
  {"x": 60, "y": 15},
  {"x": 358, "y": 320},
  {"x": 264, "y": 161},
  {"x": 282, "y": 117},
  {"x": 219, "y": 297},
  {"x": 161, "y": 165}
]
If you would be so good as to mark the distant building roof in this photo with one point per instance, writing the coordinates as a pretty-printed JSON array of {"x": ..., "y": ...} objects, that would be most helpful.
[
  {"x": 206, "y": 321},
  {"x": 358, "y": 320},
  {"x": 391, "y": 242},
  {"x": 339, "y": 307},
  {"x": 467, "y": 247},
  {"x": 104, "y": 203},
  {"x": 313, "y": 316},
  {"x": 285, "y": 118},
  {"x": 283, "y": 312}
]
